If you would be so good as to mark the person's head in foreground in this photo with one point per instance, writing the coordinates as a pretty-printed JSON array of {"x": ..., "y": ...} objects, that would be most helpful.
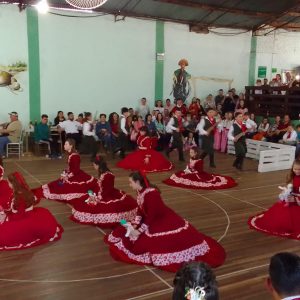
[
  {"x": 195, "y": 281},
  {"x": 284, "y": 276}
]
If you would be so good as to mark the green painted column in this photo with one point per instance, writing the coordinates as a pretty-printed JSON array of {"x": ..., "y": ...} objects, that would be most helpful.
[
  {"x": 33, "y": 64},
  {"x": 159, "y": 64},
  {"x": 252, "y": 61}
]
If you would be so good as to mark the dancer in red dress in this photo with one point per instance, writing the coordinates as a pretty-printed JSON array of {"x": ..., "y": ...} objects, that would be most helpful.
[
  {"x": 193, "y": 177},
  {"x": 106, "y": 206},
  {"x": 5, "y": 190},
  {"x": 73, "y": 182},
  {"x": 22, "y": 225},
  {"x": 160, "y": 237},
  {"x": 145, "y": 158},
  {"x": 282, "y": 219}
]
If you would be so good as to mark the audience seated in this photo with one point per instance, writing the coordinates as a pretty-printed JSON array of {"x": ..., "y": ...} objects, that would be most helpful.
[
  {"x": 103, "y": 132},
  {"x": 10, "y": 132},
  {"x": 284, "y": 276},
  {"x": 262, "y": 130},
  {"x": 59, "y": 118},
  {"x": 195, "y": 280},
  {"x": 42, "y": 134},
  {"x": 71, "y": 128},
  {"x": 290, "y": 137},
  {"x": 280, "y": 131},
  {"x": 143, "y": 109},
  {"x": 250, "y": 124}
]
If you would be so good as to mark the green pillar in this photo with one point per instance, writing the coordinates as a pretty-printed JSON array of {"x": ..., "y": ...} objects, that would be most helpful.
[
  {"x": 159, "y": 64},
  {"x": 33, "y": 64},
  {"x": 252, "y": 61}
]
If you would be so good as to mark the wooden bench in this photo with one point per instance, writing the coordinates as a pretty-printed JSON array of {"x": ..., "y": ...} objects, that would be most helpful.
[{"x": 271, "y": 156}]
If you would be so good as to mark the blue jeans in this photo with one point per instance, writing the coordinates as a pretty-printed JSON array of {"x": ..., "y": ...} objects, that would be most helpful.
[{"x": 4, "y": 140}]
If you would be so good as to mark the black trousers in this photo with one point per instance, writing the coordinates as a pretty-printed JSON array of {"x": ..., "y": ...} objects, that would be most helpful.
[
  {"x": 89, "y": 146},
  {"x": 74, "y": 136},
  {"x": 53, "y": 143},
  {"x": 177, "y": 143}
]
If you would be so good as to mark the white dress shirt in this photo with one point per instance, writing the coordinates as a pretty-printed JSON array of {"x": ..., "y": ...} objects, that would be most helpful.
[
  {"x": 170, "y": 128},
  {"x": 70, "y": 126},
  {"x": 123, "y": 124},
  {"x": 251, "y": 125},
  {"x": 292, "y": 138},
  {"x": 86, "y": 129}
]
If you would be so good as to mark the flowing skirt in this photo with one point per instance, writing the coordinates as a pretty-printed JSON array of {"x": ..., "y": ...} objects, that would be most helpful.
[
  {"x": 224, "y": 140},
  {"x": 278, "y": 220},
  {"x": 73, "y": 189},
  {"x": 34, "y": 228},
  {"x": 217, "y": 140},
  {"x": 136, "y": 161},
  {"x": 108, "y": 212},
  {"x": 166, "y": 250},
  {"x": 200, "y": 180}
]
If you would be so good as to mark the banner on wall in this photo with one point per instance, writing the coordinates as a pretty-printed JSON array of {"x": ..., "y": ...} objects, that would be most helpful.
[
  {"x": 262, "y": 72},
  {"x": 8, "y": 76}
]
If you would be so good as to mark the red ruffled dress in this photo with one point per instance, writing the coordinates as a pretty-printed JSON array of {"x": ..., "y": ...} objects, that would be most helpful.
[
  {"x": 281, "y": 219},
  {"x": 112, "y": 205},
  {"x": 193, "y": 177},
  {"x": 25, "y": 228},
  {"x": 75, "y": 184},
  {"x": 136, "y": 159},
  {"x": 6, "y": 194},
  {"x": 166, "y": 240}
]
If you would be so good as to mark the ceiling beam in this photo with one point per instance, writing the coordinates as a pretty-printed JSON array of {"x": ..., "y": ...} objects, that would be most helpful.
[
  {"x": 277, "y": 16},
  {"x": 209, "y": 7}
]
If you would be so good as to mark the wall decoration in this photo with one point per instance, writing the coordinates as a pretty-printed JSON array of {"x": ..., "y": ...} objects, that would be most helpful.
[
  {"x": 8, "y": 76},
  {"x": 262, "y": 72},
  {"x": 181, "y": 81}
]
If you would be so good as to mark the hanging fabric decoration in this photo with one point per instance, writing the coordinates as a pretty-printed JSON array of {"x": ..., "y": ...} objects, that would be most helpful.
[{"x": 86, "y": 4}]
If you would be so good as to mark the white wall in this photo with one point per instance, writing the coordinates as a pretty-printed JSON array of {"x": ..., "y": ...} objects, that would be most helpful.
[
  {"x": 13, "y": 33},
  {"x": 210, "y": 55},
  {"x": 95, "y": 64},
  {"x": 280, "y": 49}
]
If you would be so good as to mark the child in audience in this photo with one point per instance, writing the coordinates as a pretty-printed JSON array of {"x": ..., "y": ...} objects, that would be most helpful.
[
  {"x": 262, "y": 130},
  {"x": 189, "y": 142},
  {"x": 227, "y": 123},
  {"x": 282, "y": 219},
  {"x": 290, "y": 137},
  {"x": 196, "y": 281}
]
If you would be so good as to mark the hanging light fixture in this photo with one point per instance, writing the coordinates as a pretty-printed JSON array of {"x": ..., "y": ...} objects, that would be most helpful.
[
  {"x": 42, "y": 7},
  {"x": 86, "y": 4}
]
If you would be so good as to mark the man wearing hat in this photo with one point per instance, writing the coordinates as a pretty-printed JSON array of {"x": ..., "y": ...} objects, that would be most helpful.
[{"x": 11, "y": 133}]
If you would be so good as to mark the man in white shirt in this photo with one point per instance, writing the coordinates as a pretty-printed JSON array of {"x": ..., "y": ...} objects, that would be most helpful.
[
  {"x": 284, "y": 276},
  {"x": 71, "y": 128},
  {"x": 175, "y": 126},
  {"x": 143, "y": 109},
  {"x": 89, "y": 144}
]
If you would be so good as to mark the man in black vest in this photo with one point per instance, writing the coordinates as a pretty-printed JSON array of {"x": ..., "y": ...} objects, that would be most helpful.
[
  {"x": 206, "y": 129},
  {"x": 237, "y": 134},
  {"x": 175, "y": 126}
]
